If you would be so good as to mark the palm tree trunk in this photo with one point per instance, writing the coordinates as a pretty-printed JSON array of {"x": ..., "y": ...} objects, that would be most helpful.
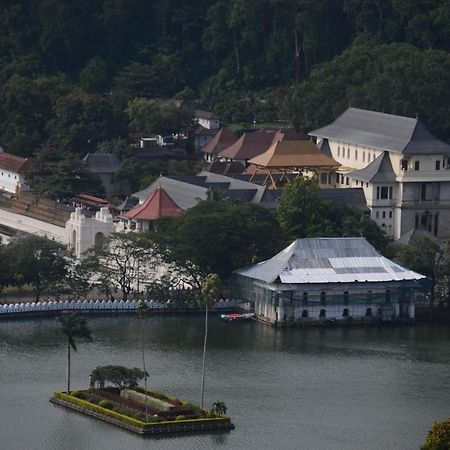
[
  {"x": 68, "y": 367},
  {"x": 204, "y": 353},
  {"x": 143, "y": 366}
]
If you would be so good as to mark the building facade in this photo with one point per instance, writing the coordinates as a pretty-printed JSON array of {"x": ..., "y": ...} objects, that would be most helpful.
[
  {"x": 403, "y": 169},
  {"x": 12, "y": 173},
  {"x": 328, "y": 278}
]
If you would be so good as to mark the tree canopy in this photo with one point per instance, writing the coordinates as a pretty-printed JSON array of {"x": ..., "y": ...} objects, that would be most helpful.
[{"x": 120, "y": 376}]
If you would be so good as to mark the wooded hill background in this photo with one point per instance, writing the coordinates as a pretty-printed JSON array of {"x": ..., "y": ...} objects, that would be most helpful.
[{"x": 70, "y": 68}]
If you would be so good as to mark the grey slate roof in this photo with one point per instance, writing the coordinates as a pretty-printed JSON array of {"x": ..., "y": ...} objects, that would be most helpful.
[
  {"x": 349, "y": 196},
  {"x": 382, "y": 131},
  {"x": 328, "y": 260},
  {"x": 378, "y": 171},
  {"x": 102, "y": 162},
  {"x": 412, "y": 234}
]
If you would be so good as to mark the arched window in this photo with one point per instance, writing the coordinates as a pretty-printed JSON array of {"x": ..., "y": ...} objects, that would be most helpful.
[
  {"x": 356, "y": 155},
  {"x": 99, "y": 240},
  {"x": 304, "y": 313},
  {"x": 323, "y": 313},
  {"x": 339, "y": 151},
  {"x": 345, "y": 313},
  {"x": 364, "y": 156},
  {"x": 348, "y": 152}
]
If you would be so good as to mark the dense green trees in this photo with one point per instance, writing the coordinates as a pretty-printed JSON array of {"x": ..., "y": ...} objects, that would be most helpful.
[
  {"x": 302, "y": 213},
  {"x": 68, "y": 70}
]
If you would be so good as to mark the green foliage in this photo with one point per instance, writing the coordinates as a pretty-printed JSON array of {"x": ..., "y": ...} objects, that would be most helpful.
[
  {"x": 57, "y": 173},
  {"x": 302, "y": 214},
  {"x": 242, "y": 233},
  {"x": 364, "y": 74},
  {"x": 120, "y": 376},
  {"x": 33, "y": 260},
  {"x": 106, "y": 404},
  {"x": 72, "y": 326},
  {"x": 180, "y": 417},
  {"x": 438, "y": 437}
]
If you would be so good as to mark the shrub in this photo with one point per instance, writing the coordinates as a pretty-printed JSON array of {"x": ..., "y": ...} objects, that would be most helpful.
[
  {"x": 106, "y": 404},
  {"x": 180, "y": 417},
  {"x": 139, "y": 416},
  {"x": 438, "y": 437},
  {"x": 78, "y": 394},
  {"x": 150, "y": 400}
]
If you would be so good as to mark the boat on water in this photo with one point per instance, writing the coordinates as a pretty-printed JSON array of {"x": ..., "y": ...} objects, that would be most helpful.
[{"x": 237, "y": 317}]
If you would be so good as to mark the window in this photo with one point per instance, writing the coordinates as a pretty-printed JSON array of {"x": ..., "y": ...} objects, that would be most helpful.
[
  {"x": 346, "y": 298},
  {"x": 339, "y": 151},
  {"x": 337, "y": 178},
  {"x": 345, "y": 313},
  {"x": 384, "y": 215},
  {"x": 356, "y": 155},
  {"x": 384, "y": 193},
  {"x": 390, "y": 192},
  {"x": 305, "y": 299},
  {"x": 304, "y": 313},
  {"x": 438, "y": 165},
  {"x": 357, "y": 183},
  {"x": 364, "y": 156},
  {"x": 416, "y": 165},
  {"x": 347, "y": 181},
  {"x": 367, "y": 185},
  {"x": 404, "y": 164},
  {"x": 323, "y": 178},
  {"x": 390, "y": 214},
  {"x": 377, "y": 214},
  {"x": 348, "y": 153},
  {"x": 323, "y": 299},
  {"x": 323, "y": 313}
]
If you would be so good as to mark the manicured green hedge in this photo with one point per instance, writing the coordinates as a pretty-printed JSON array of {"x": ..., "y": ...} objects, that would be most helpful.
[
  {"x": 131, "y": 421},
  {"x": 153, "y": 402}
]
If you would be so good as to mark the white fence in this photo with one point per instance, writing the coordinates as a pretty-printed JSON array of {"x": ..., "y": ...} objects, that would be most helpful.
[{"x": 97, "y": 306}]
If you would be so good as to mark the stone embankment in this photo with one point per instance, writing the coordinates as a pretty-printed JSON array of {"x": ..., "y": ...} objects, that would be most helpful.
[{"x": 101, "y": 306}]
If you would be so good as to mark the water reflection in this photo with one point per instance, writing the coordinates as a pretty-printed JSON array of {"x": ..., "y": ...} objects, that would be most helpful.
[{"x": 339, "y": 388}]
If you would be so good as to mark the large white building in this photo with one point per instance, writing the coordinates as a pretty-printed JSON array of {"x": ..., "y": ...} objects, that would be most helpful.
[
  {"x": 328, "y": 278},
  {"x": 403, "y": 169}
]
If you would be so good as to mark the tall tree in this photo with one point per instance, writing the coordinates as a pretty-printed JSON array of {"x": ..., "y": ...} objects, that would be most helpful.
[
  {"x": 210, "y": 290},
  {"x": 73, "y": 326}
]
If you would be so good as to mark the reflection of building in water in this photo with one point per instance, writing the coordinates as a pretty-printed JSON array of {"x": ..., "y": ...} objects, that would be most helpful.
[{"x": 83, "y": 233}]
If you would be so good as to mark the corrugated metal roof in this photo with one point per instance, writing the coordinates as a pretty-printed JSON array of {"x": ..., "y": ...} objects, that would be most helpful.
[{"x": 329, "y": 260}]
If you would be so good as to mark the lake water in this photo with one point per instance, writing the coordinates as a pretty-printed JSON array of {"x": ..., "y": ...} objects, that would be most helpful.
[{"x": 373, "y": 388}]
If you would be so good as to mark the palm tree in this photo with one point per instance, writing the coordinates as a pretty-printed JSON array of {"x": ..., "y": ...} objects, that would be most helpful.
[
  {"x": 142, "y": 311},
  {"x": 73, "y": 326},
  {"x": 209, "y": 293}
]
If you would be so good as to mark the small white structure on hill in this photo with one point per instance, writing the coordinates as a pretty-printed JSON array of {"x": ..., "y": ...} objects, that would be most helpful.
[
  {"x": 83, "y": 233},
  {"x": 12, "y": 173}
]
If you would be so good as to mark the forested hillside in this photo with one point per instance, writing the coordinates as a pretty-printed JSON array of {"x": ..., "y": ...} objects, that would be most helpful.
[{"x": 70, "y": 69}]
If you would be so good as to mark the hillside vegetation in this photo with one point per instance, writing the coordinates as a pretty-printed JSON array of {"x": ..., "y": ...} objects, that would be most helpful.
[{"x": 70, "y": 68}]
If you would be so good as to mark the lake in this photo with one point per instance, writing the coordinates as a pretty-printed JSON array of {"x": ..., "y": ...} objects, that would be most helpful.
[{"x": 335, "y": 388}]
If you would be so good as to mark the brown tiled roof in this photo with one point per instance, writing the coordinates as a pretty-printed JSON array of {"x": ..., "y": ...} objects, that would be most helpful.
[
  {"x": 223, "y": 139},
  {"x": 293, "y": 154},
  {"x": 249, "y": 145},
  {"x": 224, "y": 168},
  {"x": 158, "y": 204},
  {"x": 289, "y": 134},
  {"x": 12, "y": 163}
]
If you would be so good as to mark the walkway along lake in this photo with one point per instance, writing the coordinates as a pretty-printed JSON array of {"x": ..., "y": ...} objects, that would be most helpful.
[{"x": 337, "y": 388}]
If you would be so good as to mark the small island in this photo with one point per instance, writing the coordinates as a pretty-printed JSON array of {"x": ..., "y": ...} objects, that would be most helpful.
[{"x": 146, "y": 412}]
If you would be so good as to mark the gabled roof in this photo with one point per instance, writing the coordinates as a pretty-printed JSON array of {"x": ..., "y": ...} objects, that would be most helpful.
[
  {"x": 353, "y": 197},
  {"x": 289, "y": 134},
  {"x": 378, "y": 171},
  {"x": 159, "y": 204},
  {"x": 207, "y": 115},
  {"x": 202, "y": 131},
  {"x": 324, "y": 146},
  {"x": 328, "y": 260},
  {"x": 412, "y": 234},
  {"x": 223, "y": 139},
  {"x": 293, "y": 154},
  {"x": 248, "y": 145},
  {"x": 382, "y": 131},
  {"x": 102, "y": 162},
  {"x": 224, "y": 168},
  {"x": 12, "y": 163}
]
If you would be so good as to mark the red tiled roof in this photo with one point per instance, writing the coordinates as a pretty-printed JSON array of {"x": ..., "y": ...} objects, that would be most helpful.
[
  {"x": 158, "y": 204},
  {"x": 12, "y": 163},
  {"x": 223, "y": 139},
  {"x": 91, "y": 200},
  {"x": 249, "y": 145}
]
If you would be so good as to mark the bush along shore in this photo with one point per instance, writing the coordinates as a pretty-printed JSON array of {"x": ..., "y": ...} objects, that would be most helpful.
[{"x": 143, "y": 412}]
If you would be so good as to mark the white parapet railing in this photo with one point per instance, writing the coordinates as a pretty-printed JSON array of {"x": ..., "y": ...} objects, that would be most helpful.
[{"x": 96, "y": 306}]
